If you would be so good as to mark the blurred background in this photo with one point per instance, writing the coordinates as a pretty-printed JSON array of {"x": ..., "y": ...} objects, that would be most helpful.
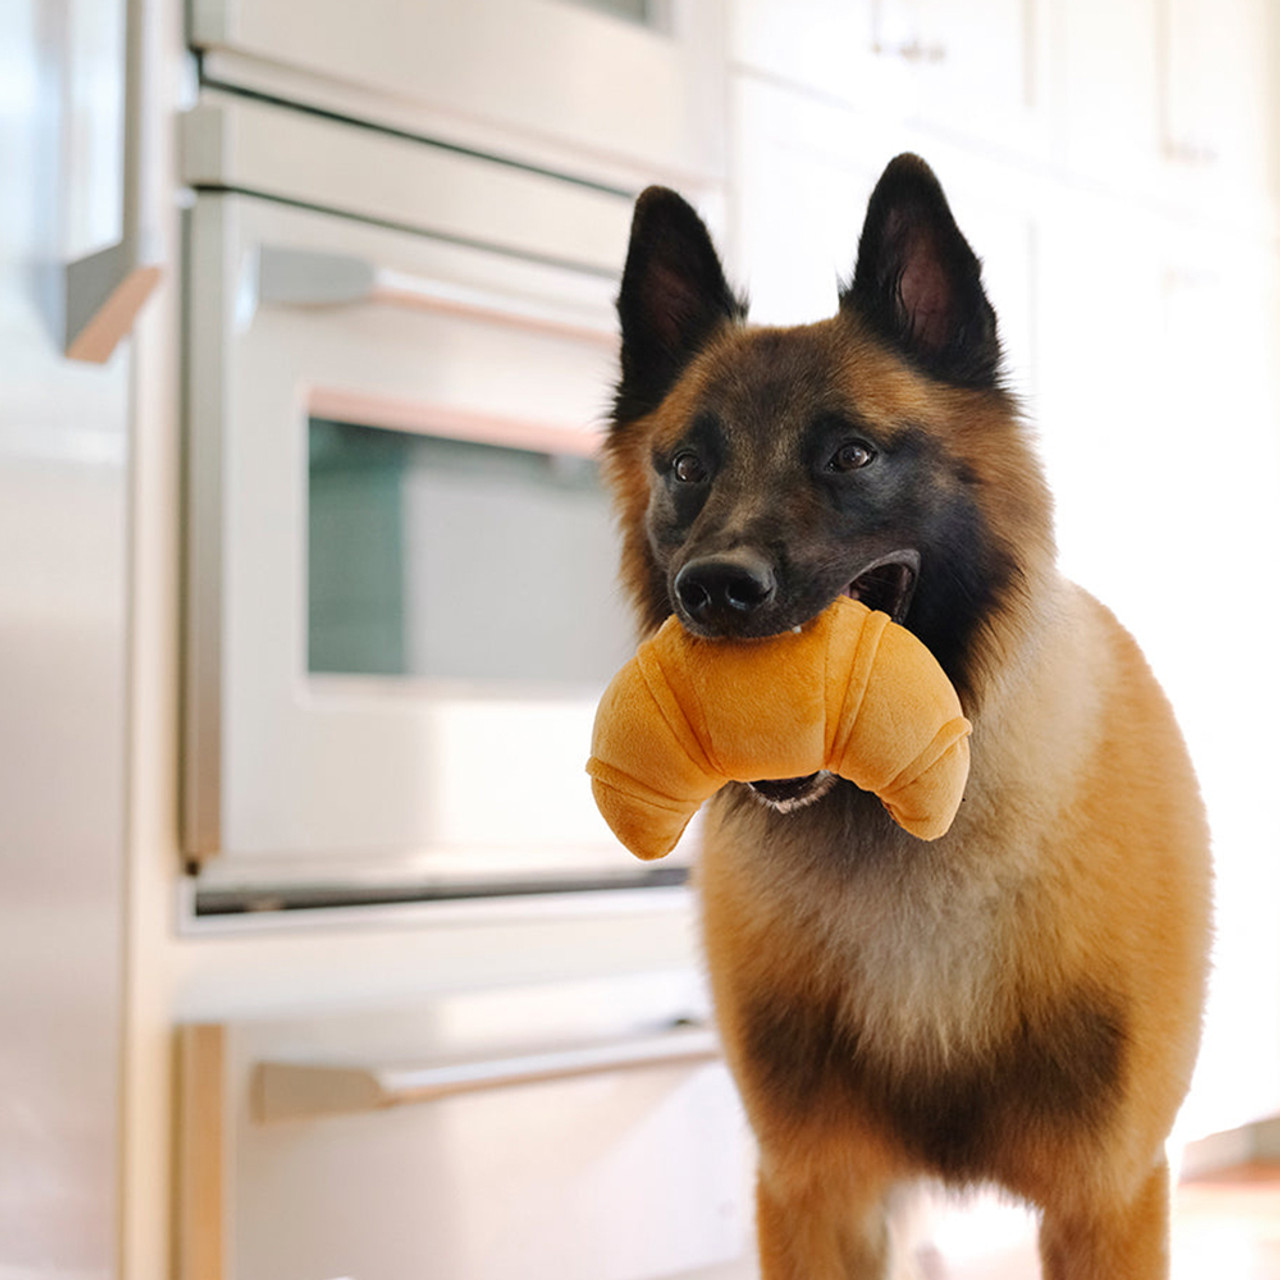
[{"x": 315, "y": 960}]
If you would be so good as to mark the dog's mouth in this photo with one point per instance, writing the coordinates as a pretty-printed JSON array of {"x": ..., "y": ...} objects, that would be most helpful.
[
  {"x": 786, "y": 794},
  {"x": 886, "y": 584}
]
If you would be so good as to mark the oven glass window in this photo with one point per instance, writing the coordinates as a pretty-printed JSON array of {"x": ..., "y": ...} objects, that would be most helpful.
[{"x": 449, "y": 559}]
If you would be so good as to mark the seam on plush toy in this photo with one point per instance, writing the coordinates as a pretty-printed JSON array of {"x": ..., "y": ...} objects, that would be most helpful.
[
  {"x": 626, "y": 784},
  {"x": 682, "y": 731},
  {"x": 954, "y": 731},
  {"x": 848, "y": 716},
  {"x": 706, "y": 740}
]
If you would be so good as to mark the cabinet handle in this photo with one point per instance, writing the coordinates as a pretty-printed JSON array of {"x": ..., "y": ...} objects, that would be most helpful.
[
  {"x": 301, "y": 1091},
  {"x": 106, "y": 290},
  {"x": 1191, "y": 154},
  {"x": 914, "y": 50},
  {"x": 308, "y": 278}
]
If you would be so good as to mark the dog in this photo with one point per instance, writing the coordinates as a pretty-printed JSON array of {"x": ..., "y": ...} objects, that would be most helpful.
[{"x": 1018, "y": 1003}]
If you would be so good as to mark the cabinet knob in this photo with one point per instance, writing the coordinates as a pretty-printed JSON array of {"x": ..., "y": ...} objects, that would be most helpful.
[{"x": 914, "y": 50}]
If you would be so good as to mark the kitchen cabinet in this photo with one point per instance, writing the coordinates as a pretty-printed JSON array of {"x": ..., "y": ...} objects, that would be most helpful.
[
  {"x": 978, "y": 70},
  {"x": 1136, "y": 290},
  {"x": 1158, "y": 425},
  {"x": 1109, "y": 61},
  {"x": 643, "y": 91},
  {"x": 1217, "y": 109},
  {"x": 1171, "y": 100},
  {"x": 803, "y": 172},
  {"x": 823, "y": 47}
]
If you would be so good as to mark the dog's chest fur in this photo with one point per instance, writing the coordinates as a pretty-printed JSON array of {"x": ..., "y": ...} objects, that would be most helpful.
[
  {"x": 910, "y": 945},
  {"x": 899, "y": 994}
]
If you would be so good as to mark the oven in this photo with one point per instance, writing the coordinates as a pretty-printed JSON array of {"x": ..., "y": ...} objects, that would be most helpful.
[
  {"x": 431, "y": 1017},
  {"x": 401, "y": 564}
]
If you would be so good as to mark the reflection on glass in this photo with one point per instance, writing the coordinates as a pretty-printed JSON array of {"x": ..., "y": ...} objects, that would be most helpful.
[
  {"x": 455, "y": 560},
  {"x": 642, "y": 11}
]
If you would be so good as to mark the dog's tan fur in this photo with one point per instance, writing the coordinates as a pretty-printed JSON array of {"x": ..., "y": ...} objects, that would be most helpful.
[{"x": 1018, "y": 1002}]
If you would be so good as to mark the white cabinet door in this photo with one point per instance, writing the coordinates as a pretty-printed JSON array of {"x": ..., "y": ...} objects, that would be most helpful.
[
  {"x": 1216, "y": 107},
  {"x": 825, "y": 47},
  {"x": 803, "y": 173},
  {"x": 1216, "y": 463},
  {"x": 1169, "y": 98},
  {"x": 1109, "y": 61},
  {"x": 1158, "y": 426},
  {"x": 647, "y": 92},
  {"x": 978, "y": 67}
]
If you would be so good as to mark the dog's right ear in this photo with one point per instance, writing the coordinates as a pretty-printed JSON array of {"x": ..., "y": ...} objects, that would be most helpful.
[
  {"x": 673, "y": 298},
  {"x": 919, "y": 284}
]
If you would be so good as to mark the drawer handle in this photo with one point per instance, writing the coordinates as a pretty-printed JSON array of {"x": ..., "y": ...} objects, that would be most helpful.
[
  {"x": 301, "y": 1091},
  {"x": 310, "y": 278}
]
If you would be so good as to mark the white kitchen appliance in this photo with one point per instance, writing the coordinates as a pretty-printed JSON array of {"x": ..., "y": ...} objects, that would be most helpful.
[{"x": 402, "y": 602}]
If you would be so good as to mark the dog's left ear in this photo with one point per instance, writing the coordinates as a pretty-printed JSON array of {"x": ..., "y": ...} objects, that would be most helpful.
[
  {"x": 673, "y": 298},
  {"x": 919, "y": 284}
]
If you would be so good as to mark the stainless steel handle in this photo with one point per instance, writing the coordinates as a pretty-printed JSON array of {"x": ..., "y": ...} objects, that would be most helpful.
[
  {"x": 105, "y": 290},
  {"x": 308, "y": 278},
  {"x": 297, "y": 1091}
]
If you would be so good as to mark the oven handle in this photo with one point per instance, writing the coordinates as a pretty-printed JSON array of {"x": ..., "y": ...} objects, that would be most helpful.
[
  {"x": 291, "y": 277},
  {"x": 302, "y": 1091}
]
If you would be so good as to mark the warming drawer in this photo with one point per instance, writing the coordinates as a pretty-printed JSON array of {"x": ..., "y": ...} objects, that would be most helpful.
[{"x": 582, "y": 1131}]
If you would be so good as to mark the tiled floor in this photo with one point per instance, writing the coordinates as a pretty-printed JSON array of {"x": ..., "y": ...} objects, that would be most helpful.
[{"x": 1226, "y": 1227}]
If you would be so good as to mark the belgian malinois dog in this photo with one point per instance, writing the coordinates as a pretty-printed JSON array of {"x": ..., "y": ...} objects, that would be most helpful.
[{"x": 1017, "y": 1003}]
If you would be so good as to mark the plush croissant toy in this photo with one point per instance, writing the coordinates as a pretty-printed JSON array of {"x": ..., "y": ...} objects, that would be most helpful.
[{"x": 850, "y": 691}]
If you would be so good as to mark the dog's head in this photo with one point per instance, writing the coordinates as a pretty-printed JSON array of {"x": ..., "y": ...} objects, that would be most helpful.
[{"x": 761, "y": 473}]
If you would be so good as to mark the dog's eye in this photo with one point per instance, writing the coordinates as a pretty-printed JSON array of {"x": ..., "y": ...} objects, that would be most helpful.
[
  {"x": 687, "y": 467},
  {"x": 850, "y": 456}
]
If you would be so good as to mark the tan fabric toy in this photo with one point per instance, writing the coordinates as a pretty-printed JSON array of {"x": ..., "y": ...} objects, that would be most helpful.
[{"x": 851, "y": 692}]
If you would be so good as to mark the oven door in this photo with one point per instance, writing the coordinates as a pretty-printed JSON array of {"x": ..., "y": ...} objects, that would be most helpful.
[{"x": 402, "y": 601}]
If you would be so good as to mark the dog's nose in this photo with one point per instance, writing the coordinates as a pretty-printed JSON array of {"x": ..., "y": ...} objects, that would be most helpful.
[{"x": 720, "y": 592}]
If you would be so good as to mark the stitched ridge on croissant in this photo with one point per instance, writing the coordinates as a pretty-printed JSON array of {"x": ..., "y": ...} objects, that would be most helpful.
[{"x": 851, "y": 692}]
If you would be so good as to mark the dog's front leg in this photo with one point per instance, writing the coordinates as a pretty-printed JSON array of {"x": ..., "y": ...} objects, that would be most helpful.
[
  {"x": 1105, "y": 1239},
  {"x": 821, "y": 1229}
]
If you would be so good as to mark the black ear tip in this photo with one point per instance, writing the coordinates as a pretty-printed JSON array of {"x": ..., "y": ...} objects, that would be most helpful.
[
  {"x": 664, "y": 204},
  {"x": 654, "y": 197},
  {"x": 656, "y": 194},
  {"x": 908, "y": 175},
  {"x": 909, "y": 162}
]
